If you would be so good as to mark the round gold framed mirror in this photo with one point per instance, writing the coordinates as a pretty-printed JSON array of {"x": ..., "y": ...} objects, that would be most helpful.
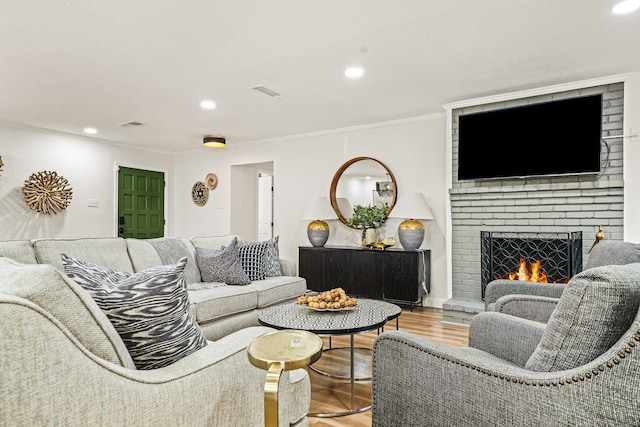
[{"x": 362, "y": 181}]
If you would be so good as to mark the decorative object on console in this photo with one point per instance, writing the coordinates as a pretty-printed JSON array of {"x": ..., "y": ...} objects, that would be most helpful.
[
  {"x": 211, "y": 181},
  {"x": 214, "y": 141},
  {"x": 411, "y": 231},
  {"x": 599, "y": 237},
  {"x": 383, "y": 243},
  {"x": 368, "y": 218},
  {"x": 47, "y": 192},
  {"x": 199, "y": 193},
  {"x": 317, "y": 211}
]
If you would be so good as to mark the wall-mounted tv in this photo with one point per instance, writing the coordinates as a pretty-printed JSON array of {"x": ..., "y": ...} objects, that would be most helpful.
[{"x": 561, "y": 137}]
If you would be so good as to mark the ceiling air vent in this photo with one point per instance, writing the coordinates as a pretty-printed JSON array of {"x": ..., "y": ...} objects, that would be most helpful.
[
  {"x": 129, "y": 124},
  {"x": 269, "y": 92}
]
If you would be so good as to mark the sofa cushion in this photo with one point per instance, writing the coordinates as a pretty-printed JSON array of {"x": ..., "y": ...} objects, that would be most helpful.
[
  {"x": 252, "y": 258},
  {"x": 216, "y": 300},
  {"x": 222, "y": 265},
  {"x": 110, "y": 252},
  {"x": 596, "y": 308},
  {"x": 65, "y": 300},
  {"x": 213, "y": 242},
  {"x": 19, "y": 250},
  {"x": 278, "y": 289},
  {"x": 149, "y": 309}
]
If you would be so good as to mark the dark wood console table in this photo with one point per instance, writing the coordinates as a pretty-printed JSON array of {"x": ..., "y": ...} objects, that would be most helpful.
[{"x": 393, "y": 274}]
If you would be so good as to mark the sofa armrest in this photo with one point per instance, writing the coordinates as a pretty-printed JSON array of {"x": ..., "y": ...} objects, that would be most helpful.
[
  {"x": 530, "y": 307},
  {"x": 502, "y": 287},
  {"x": 507, "y": 337},
  {"x": 288, "y": 267}
]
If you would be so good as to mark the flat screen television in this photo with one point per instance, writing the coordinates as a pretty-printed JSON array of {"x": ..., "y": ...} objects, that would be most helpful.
[{"x": 561, "y": 137}]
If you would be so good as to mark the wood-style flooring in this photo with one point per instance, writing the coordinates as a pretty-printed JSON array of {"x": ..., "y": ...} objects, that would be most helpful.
[{"x": 333, "y": 395}]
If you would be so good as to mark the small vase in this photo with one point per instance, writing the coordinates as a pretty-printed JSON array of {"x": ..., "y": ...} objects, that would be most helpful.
[{"x": 369, "y": 235}]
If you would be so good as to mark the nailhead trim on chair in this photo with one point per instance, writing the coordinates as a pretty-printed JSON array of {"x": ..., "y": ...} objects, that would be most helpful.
[{"x": 575, "y": 379}]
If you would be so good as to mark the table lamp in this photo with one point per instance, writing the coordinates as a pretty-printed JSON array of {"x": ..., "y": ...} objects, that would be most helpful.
[
  {"x": 317, "y": 211},
  {"x": 411, "y": 231}
]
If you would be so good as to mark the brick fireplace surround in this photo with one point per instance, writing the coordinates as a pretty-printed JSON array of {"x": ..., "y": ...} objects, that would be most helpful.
[{"x": 551, "y": 204}]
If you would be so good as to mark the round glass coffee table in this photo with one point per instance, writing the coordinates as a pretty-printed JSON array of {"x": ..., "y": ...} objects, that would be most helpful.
[{"x": 368, "y": 315}]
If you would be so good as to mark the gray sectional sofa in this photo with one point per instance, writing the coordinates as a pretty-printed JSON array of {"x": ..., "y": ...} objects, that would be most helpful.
[
  {"x": 63, "y": 363},
  {"x": 219, "y": 309}
]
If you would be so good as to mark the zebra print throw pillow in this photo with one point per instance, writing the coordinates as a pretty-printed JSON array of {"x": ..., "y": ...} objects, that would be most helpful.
[{"x": 149, "y": 309}]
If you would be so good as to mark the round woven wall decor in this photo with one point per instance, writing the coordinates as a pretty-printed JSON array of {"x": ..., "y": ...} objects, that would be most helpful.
[
  {"x": 47, "y": 192},
  {"x": 199, "y": 193}
]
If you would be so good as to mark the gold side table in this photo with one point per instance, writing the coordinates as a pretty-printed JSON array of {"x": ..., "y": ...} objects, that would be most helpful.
[{"x": 280, "y": 351}]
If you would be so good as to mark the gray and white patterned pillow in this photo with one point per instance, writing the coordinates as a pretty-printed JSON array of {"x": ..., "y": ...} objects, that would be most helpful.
[
  {"x": 272, "y": 258},
  {"x": 252, "y": 259},
  {"x": 149, "y": 309},
  {"x": 222, "y": 265}
]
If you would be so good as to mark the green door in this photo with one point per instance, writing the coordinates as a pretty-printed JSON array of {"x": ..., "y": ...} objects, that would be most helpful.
[{"x": 140, "y": 203}]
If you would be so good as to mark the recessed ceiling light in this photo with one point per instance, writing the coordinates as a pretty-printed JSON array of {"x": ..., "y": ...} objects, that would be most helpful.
[
  {"x": 208, "y": 105},
  {"x": 626, "y": 6},
  {"x": 354, "y": 72},
  {"x": 92, "y": 131}
]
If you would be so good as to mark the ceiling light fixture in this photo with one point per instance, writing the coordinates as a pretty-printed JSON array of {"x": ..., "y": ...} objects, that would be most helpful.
[
  {"x": 626, "y": 6},
  {"x": 354, "y": 72},
  {"x": 91, "y": 131},
  {"x": 208, "y": 105},
  {"x": 214, "y": 141}
]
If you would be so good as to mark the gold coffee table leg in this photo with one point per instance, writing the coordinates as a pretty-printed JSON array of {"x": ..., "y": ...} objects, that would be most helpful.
[{"x": 277, "y": 352}]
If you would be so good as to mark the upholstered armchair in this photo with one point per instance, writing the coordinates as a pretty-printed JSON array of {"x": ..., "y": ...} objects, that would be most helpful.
[
  {"x": 582, "y": 368},
  {"x": 62, "y": 363},
  {"x": 536, "y": 301}
]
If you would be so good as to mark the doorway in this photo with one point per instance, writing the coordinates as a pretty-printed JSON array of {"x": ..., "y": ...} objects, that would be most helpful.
[
  {"x": 140, "y": 203},
  {"x": 265, "y": 206},
  {"x": 251, "y": 204}
]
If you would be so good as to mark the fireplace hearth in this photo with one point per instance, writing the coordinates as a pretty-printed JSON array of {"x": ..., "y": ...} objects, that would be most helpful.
[{"x": 503, "y": 253}]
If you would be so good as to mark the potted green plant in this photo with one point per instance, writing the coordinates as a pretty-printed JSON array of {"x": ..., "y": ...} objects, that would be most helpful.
[{"x": 368, "y": 218}]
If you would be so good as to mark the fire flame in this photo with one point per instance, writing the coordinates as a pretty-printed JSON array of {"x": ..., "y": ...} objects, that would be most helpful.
[{"x": 534, "y": 274}]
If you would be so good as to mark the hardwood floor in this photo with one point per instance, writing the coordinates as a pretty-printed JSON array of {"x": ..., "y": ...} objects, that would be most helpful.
[{"x": 333, "y": 395}]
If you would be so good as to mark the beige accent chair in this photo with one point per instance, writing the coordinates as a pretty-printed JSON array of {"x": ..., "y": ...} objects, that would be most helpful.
[{"x": 63, "y": 364}]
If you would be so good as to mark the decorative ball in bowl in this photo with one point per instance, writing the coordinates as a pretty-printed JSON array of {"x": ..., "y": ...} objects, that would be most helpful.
[{"x": 332, "y": 300}]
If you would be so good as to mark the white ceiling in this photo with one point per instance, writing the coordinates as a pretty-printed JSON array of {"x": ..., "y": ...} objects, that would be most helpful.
[{"x": 67, "y": 64}]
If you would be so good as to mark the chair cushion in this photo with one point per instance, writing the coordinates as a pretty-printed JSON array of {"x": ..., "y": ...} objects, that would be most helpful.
[
  {"x": 222, "y": 265},
  {"x": 149, "y": 309},
  {"x": 596, "y": 308},
  {"x": 609, "y": 252}
]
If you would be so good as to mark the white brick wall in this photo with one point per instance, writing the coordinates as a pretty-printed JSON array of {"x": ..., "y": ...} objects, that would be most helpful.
[{"x": 551, "y": 204}]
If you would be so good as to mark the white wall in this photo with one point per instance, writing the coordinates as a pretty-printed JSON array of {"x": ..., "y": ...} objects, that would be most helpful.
[
  {"x": 89, "y": 167},
  {"x": 632, "y": 159},
  {"x": 304, "y": 166}
]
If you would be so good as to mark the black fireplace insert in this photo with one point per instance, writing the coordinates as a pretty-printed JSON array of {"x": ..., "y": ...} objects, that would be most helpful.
[{"x": 501, "y": 253}]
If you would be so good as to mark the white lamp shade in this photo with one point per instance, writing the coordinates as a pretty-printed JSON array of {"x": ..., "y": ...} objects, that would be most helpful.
[
  {"x": 414, "y": 206},
  {"x": 319, "y": 208},
  {"x": 345, "y": 207}
]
